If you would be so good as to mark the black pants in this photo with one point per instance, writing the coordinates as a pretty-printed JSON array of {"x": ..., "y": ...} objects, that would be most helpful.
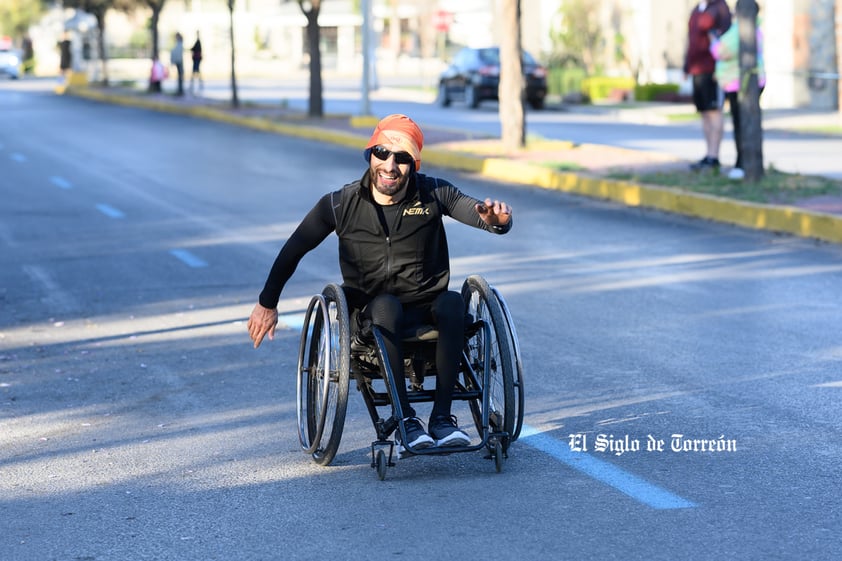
[
  {"x": 179, "y": 68},
  {"x": 447, "y": 314}
]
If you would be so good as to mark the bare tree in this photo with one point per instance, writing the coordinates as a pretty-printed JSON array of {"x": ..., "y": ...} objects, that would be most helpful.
[
  {"x": 156, "y": 6},
  {"x": 310, "y": 9},
  {"x": 99, "y": 9},
  {"x": 511, "y": 90},
  {"x": 581, "y": 37},
  {"x": 751, "y": 130}
]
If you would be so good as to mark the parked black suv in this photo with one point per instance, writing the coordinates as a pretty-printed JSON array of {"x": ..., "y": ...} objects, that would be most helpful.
[{"x": 474, "y": 76}]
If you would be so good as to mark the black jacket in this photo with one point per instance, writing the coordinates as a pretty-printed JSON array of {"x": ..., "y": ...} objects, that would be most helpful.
[{"x": 400, "y": 250}]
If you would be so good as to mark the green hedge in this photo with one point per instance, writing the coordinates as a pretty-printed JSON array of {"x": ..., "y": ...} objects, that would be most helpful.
[
  {"x": 655, "y": 92},
  {"x": 599, "y": 88},
  {"x": 562, "y": 81}
]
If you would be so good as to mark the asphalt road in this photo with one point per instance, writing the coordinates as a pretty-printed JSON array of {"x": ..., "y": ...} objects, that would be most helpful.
[{"x": 136, "y": 421}]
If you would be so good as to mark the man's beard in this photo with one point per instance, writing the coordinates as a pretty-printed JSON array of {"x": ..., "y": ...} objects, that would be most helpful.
[{"x": 387, "y": 187}]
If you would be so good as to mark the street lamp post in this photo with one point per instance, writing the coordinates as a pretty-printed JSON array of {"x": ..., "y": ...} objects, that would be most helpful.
[{"x": 365, "y": 109}]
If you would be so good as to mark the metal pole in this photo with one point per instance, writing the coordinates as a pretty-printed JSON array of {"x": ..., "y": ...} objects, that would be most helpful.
[{"x": 365, "y": 108}]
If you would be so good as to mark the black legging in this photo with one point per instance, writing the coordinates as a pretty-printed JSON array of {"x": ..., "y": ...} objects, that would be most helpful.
[{"x": 447, "y": 314}]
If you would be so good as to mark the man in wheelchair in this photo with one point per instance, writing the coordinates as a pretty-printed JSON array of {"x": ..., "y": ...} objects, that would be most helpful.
[{"x": 394, "y": 260}]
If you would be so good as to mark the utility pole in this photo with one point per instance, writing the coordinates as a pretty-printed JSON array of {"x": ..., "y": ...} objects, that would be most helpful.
[
  {"x": 365, "y": 108},
  {"x": 751, "y": 128}
]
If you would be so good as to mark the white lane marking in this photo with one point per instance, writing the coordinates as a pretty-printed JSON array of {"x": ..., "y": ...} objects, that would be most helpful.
[
  {"x": 56, "y": 299},
  {"x": 606, "y": 472},
  {"x": 188, "y": 258},
  {"x": 61, "y": 182},
  {"x": 110, "y": 211},
  {"x": 292, "y": 321}
]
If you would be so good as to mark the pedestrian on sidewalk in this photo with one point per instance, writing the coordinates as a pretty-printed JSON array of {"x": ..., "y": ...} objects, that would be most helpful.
[
  {"x": 177, "y": 60},
  {"x": 157, "y": 75},
  {"x": 196, "y": 55},
  {"x": 65, "y": 56},
  {"x": 726, "y": 51},
  {"x": 709, "y": 19}
]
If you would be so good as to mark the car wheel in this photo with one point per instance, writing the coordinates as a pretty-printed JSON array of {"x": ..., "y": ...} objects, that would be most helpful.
[
  {"x": 537, "y": 103},
  {"x": 443, "y": 99},
  {"x": 471, "y": 98}
]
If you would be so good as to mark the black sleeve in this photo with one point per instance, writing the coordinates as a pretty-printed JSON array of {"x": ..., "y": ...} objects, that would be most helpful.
[
  {"x": 312, "y": 231},
  {"x": 723, "y": 19},
  {"x": 462, "y": 207}
]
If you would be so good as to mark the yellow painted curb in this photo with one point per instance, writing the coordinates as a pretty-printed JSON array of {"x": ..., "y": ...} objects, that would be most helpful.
[
  {"x": 774, "y": 218},
  {"x": 364, "y": 121}
]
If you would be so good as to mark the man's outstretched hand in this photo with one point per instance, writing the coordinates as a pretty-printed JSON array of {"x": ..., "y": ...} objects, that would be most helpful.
[
  {"x": 494, "y": 213},
  {"x": 262, "y": 322}
]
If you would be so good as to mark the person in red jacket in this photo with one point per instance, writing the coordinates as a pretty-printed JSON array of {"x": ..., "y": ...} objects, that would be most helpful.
[{"x": 709, "y": 19}]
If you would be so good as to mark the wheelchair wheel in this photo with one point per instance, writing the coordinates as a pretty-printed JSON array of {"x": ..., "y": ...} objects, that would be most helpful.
[
  {"x": 324, "y": 358},
  {"x": 381, "y": 464},
  {"x": 482, "y": 304},
  {"x": 517, "y": 367}
]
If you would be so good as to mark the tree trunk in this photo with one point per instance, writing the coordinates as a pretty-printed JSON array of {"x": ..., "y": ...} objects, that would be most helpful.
[
  {"x": 153, "y": 29},
  {"x": 316, "y": 106},
  {"x": 235, "y": 100},
  {"x": 511, "y": 90},
  {"x": 100, "y": 21},
  {"x": 751, "y": 129}
]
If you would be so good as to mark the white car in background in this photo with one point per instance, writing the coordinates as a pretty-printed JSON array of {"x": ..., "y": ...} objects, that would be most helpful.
[{"x": 10, "y": 62}]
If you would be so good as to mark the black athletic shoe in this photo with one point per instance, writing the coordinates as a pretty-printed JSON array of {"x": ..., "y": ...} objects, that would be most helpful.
[
  {"x": 416, "y": 436},
  {"x": 706, "y": 163},
  {"x": 447, "y": 433}
]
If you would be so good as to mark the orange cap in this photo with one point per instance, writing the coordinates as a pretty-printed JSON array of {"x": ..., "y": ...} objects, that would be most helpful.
[{"x": 401, "y": 130}]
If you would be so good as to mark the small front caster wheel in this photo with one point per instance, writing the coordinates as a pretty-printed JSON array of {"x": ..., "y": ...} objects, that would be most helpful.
[
  {"x": 381, "y": 464},
  {"x": 498, "y": 456}
]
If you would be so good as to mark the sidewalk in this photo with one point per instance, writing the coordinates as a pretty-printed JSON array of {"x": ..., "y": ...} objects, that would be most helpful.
[{"x": 580, "y": 170}]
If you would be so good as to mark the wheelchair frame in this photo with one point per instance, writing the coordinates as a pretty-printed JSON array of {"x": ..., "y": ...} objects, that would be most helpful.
[{"x": 490, "y": 377}]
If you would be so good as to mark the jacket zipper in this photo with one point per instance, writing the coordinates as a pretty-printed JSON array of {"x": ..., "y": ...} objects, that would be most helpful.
[{"x": 389, "y": 257}]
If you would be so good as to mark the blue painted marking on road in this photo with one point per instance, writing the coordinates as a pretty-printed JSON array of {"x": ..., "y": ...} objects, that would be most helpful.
[
  {"x": 188, "y": 258},
  {"x": 292, "y": 321},
  {"x": 18, "y": 157},
  {"x": 60, "y": 182},
  {"x": 109, "y": 211},
  {"x": 633, "y": 486}
]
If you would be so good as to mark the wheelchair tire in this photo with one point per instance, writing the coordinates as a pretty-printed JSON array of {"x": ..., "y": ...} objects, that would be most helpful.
[
  {"x": 517, "y": 367},
  {"x": 482, "y": 304},
  {"x": 324, "y": 367}
]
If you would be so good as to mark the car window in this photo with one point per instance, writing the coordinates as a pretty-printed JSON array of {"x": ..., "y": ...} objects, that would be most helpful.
[
  {"x": 461, "y": 58},
  {"x": 489, "y": 56}
]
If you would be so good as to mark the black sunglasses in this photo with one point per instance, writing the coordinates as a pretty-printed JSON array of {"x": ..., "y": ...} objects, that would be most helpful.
[{"x": 400, "y": 157}]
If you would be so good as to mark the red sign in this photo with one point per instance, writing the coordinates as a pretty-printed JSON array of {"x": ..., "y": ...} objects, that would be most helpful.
[{"x": 442, "y": 20}]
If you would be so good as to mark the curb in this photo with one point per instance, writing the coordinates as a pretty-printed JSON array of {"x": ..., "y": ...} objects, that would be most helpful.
[{"x": 774, "y": 218}]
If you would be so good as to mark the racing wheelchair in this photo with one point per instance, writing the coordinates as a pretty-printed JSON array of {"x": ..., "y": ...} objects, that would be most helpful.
[{"x": 490, "y": 377}]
